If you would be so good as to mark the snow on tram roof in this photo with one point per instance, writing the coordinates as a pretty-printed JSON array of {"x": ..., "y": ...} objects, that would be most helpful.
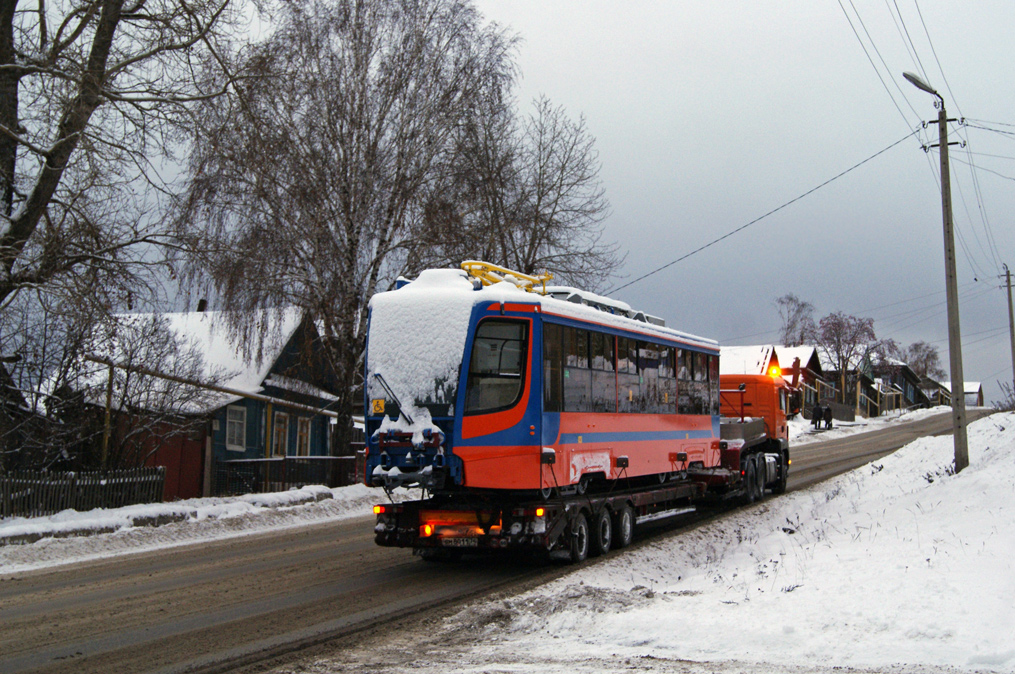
[{"x": 559, "y": 300}]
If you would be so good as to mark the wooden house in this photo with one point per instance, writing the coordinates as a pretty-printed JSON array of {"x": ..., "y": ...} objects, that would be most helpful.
[
  {"x": 973, "y": 391},
  {"x": 251, "y": 411}
]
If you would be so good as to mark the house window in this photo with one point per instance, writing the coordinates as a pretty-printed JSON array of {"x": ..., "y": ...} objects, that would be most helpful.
[
  {"x": 280, "y": 437},
  {"x": 303, "y": 437},
  {"x": 236, "y": 428}
]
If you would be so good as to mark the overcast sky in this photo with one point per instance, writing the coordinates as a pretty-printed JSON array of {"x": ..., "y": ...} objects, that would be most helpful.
[{"x": 708, "y": 115}]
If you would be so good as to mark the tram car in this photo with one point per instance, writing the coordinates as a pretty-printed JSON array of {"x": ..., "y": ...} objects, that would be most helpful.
[{"x": 481, "y": 379}]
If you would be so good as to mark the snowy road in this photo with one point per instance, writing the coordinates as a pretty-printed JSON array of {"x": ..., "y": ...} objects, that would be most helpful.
[{"x": 191, "y": 607}]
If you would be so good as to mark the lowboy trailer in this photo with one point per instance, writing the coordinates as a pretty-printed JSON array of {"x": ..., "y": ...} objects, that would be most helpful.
[{"x": 546, "y": 419}]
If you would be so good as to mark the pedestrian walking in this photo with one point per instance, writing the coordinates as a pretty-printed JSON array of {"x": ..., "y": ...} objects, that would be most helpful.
[
  {"x": 828, "y": 417},
  {"x": 817, "y": 414}
]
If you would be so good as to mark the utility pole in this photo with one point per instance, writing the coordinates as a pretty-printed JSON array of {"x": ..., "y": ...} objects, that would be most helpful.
[
  {"x": 1011, "y": 326},
  {"x": 951, "y": 285}
]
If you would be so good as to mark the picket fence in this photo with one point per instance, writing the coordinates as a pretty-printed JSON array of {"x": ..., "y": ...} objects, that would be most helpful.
[{"x": 26, "y": 493}]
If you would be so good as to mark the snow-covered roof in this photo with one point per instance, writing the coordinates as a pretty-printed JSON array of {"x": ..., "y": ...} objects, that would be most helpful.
[
  {"x": 829, "y": 365},
  {"x": 746, "y": 359},
  {"x": 968, "y": 386},
  {"x": 418, "y": 332},
  {"x": 787, "y": 354},
  {"x": 223, "y": 357}
]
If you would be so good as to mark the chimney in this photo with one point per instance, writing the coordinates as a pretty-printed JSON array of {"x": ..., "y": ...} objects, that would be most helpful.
[{"x": 202, "y": 305}]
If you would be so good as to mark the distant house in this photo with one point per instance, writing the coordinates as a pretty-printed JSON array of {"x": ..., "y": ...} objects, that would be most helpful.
[
  {"x": 900, "y": 388},
  {"x": 860, "y": 392},
  {"x": 273, "y": 406},
  {"x": 936, "y": 392},
  {"x": 973, "y": 391},
  {"x": 802, "y": 365}
]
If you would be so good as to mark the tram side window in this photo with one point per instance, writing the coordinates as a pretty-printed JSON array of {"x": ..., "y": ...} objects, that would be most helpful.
[
  {"x": 577, "y": 376},
  {"x": 648, "y": 368},
  {"x": 700, "y": 392},
  {"x": 685, "y": 381},
  {"x": 713, "y": 382},
  {"x": 666, "y": 395},
  {"x": 553, "y": 361},
  {"x": 628, "y": 383},
  {"x": 497, "y": 366},
  {"x": 604, "y": 378}
]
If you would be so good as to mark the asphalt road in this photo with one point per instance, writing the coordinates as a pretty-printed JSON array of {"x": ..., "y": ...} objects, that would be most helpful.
[{"x": 242, "y": 603}]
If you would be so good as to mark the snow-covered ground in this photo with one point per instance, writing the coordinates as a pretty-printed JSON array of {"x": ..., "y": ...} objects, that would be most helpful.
[
  {"x": 801, "y": 432},
  {"x": 898, "y": 565}
]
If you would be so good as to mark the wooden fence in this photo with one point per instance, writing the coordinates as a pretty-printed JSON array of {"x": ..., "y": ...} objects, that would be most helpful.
[
  {"x": 28, "y": 493},
  {"x": 248, "y": 476}
]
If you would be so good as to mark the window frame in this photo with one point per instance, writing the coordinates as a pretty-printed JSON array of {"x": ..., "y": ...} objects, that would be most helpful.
[
  {"x": 284, "y": 417},
  {"x": 241, "y": 423},
  {"x": 303, "y": 438},
  {"x": 522, "y": 379}
]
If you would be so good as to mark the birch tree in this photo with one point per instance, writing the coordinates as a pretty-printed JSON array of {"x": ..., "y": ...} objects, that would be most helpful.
[
  {"x": 526, "y": 195},
  {"x": 310, "y": 185}
]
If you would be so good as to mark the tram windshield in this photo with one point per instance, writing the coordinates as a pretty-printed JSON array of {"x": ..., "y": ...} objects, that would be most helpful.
[{"x": 497, "y": 366}]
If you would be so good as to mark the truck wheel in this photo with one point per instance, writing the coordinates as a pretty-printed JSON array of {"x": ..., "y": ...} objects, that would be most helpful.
[
  {"x": 749, "y": 479},
  {"x": 761, "y": 473},
  {"x": 602, "y": 533},
  {"x": 780, "y": 484},
  {"x": 579, "y": 539},
  {"x": 623, "y": 525}
]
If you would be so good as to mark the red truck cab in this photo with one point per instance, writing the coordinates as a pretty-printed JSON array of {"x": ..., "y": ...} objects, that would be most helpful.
[{"x": 757, "y": 395}]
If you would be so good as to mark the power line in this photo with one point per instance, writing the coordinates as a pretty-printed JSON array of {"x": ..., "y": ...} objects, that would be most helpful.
[
  {"x": 762, "y": 217},
  {"x": 919, "y": 63}
]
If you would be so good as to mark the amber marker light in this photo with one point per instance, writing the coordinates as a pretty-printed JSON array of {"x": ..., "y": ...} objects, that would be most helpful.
[
  {"x": 540, "y": 512},
  {"x": 378, "y": 509},
  {"x": 774, "y": 371},
  {"x": 428, "y": 530}
]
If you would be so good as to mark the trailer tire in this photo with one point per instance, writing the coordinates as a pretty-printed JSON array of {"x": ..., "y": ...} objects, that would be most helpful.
[
  {"x": 780, "y": 484},
  {"x": 623, "y": 527},
  {"x": 602, "y": 533},
  {"x": 760, "y": 474},
  {"x": 749, "y": 479},
  {"x": 579, "y": 539}
]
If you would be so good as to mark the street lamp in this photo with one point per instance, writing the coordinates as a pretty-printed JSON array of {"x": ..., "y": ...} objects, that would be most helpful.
[{"x": 951, "y": 285}]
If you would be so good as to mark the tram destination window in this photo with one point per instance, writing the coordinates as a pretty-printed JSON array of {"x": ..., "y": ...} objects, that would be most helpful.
[{"x": 497, "y": 366}]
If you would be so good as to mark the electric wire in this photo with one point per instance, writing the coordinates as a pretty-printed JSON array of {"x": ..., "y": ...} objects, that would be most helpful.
[
  {"x": 919, "y": 63},
  {"x": 876, "y": 71},
  {"x": 985, "y": 220},
  {"x": 762, "y": 217}
]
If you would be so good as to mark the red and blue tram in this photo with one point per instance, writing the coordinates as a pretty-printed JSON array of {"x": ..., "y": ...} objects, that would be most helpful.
[{"x": 489, "y": 387}]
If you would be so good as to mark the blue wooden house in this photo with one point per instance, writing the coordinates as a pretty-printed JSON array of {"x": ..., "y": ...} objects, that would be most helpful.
[{"x": 267, "y": 414}]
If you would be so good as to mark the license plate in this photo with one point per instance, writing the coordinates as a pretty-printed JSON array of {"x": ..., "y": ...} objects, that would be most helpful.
[{"x": 460, "y": 542}]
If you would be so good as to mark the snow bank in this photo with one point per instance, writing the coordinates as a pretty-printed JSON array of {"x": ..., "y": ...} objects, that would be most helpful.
[
  {"x": 72, "y": 536},
  {"x": 897, "y": 563}
]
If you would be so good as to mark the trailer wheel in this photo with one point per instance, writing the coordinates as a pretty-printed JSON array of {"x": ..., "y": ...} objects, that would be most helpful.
[
  {"x": 780, "y": 484},
  {"x": 749, "y": 479},
  {"x": 602, "y": 533},
  {"x": 579, "y": 539},
  {"x": 623, "y": 525}
]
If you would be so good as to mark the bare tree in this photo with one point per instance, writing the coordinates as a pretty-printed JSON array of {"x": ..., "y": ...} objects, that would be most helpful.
[
  {"x": 149, "y": 410},
  {"x": 312, "y": 183},
  {"x": 526, "y": 196},
  {"x": 91, "y": 92},
  {"x": 924, "y": 360},
  {"x": 847, "y": 343},
  {"x": 797, "y": 320}
]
